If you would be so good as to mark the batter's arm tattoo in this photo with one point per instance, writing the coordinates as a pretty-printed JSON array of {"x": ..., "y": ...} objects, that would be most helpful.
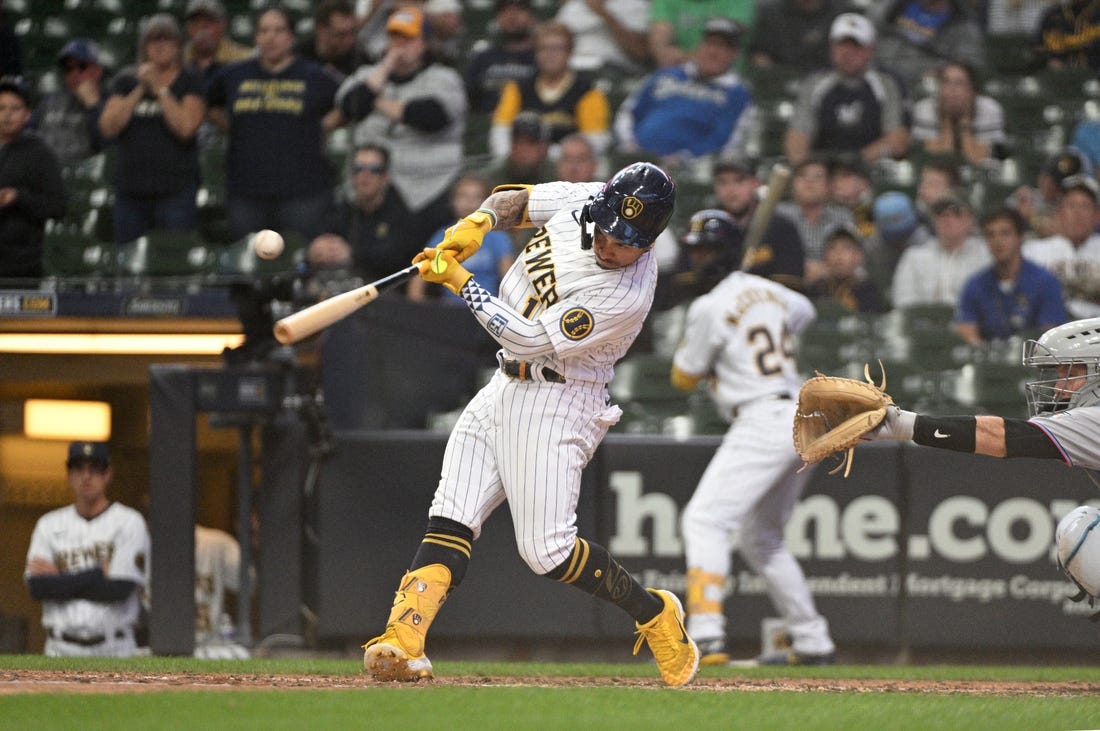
[
  {"x": 522, "y": 337},
  {"x": 510, "y": 207}
]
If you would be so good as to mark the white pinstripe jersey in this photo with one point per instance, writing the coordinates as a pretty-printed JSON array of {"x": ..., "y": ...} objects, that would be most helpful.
[
  {"x": 740, "y": 332},
  {"x": 217, "y": 568},
  {"x": 591, "y": 314},
  {"x": 117, "y": 539}
]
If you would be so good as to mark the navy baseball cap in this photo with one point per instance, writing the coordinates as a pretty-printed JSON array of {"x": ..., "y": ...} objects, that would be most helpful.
[
  {"x": 16, "y": 85},
  {"x": 529, "y": 124},
  {"x": 88, "y": 452},
  {"x": 84, "y": 50}
]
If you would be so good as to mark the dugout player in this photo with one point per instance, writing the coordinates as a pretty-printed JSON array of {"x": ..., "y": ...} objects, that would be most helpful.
[
  {"x": 1064, "y": 425},
  {"x": 738, "y": 336},
  {"x": 87, "y": 563},
  {"x": 568, "y": 309}
]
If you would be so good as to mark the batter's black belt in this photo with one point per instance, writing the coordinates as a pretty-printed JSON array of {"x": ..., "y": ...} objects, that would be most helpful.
[
  {"x": 84, "y": 640},
  {"x": 769, "y": 397},
  {"x": 521, "y": 370}
]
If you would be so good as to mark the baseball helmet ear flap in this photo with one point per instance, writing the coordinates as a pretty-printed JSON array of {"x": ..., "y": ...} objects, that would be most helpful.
[{"x": 633, "y": 208}]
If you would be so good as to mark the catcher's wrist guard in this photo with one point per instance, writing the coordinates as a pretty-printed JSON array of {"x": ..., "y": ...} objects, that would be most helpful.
[
  {"x": 957, "y": 433},
  {"x": 834, "y": 414}
]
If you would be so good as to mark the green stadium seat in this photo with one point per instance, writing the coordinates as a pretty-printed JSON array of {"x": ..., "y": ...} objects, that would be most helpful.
[
  {"x": 1010, "y": 54},
  {"x": 166, "y": 254},
  {"x": 999, "y": 388},
  {"x": 238, "y": 257},
  {"x": 773, "y": 83},
  {"x": 648, "y": 399},
  {"x": 69, "y": 252}
]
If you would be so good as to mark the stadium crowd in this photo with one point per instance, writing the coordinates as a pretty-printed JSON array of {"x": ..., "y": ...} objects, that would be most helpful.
[{"x": 910, "y": 125}]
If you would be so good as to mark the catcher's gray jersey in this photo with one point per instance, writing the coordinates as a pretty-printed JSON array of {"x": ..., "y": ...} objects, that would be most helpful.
[{"x": 1076, "y": 433}]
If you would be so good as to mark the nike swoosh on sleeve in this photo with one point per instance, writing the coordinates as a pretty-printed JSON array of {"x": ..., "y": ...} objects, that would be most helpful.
[{"x": 940, "y": 435}]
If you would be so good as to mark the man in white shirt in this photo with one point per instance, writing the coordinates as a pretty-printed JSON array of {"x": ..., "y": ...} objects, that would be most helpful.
[
  {"x": 1073, "y": 252},
  {"x": 934, "y": 272}
]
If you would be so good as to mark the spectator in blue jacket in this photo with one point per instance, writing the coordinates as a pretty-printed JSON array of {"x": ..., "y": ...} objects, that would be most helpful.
[
  {"x": 695, "y": 109},
  {"x": 1013, "y": 295}
]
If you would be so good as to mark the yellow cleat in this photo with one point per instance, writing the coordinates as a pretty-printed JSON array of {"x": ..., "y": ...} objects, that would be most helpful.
[
  {"x": 676, "y": 654},
  {"x": 385, "y": 659},
  {"x": 398, "y": 654}
]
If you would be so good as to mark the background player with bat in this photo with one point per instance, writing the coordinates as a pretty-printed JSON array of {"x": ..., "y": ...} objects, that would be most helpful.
[
  {"x": 739, "y": 337},
  {"x": 568, "y": 310}
]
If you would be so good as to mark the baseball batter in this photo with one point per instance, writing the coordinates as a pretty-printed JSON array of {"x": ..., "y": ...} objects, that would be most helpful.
[
  {"x": 568, "y": 309},
  {"x": 1064, "y": 425},
  {"x": 739, "y": 335},
  {"x": 87, "y": 563}
]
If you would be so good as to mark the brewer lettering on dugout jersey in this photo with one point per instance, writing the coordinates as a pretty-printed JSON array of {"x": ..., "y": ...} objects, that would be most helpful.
[
  {"x": 116, "y": 539},
  {"x": 740, "y": 332},
  {"x": 591, "y": 314}
]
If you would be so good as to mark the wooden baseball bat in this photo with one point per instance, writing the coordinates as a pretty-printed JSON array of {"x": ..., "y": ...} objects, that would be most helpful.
[
  {"x": 777, "y": 186},
  {"x": 314, "y": 318}
]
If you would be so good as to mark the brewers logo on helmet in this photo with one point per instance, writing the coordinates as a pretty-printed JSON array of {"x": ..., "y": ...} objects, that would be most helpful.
[{"x": 633, "y": 208}]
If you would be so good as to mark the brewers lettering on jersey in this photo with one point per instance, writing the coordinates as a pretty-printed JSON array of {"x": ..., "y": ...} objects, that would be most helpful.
[
  {"x": 739, "y": 337},
  {"x": 568, "y": 309},
  {"x": 88, "y": 562}
]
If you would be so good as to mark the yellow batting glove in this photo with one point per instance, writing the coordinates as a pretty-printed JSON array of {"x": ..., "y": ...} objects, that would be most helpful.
[
  {"x": 441, "y": 267},
  {"x": 465, "y": 237}
]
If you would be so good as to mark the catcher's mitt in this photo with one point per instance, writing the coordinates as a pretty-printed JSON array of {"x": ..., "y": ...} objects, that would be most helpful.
[{"x": 833, "y": 413}]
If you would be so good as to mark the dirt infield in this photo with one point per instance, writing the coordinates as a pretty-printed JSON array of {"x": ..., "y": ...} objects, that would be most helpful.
[{"x": 53, "y": 681}]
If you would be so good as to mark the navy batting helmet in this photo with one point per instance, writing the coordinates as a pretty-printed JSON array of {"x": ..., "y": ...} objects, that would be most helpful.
[
  {"x": 713, "y": 231},
  {"x": 712, "y": 228},
  {"x": 633, "y": 208}
]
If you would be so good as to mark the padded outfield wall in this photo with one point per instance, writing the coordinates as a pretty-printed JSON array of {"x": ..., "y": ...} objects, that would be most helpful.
[{"x": 917, "y": 548}]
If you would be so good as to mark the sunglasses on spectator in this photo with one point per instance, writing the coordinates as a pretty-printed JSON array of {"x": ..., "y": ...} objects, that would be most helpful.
[
  {"x": 74, "y": 66},
  {"x": 373, "y": 168}
]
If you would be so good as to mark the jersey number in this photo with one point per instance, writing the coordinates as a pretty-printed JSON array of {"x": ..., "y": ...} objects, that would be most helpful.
[{"x": 770, "y": 355}]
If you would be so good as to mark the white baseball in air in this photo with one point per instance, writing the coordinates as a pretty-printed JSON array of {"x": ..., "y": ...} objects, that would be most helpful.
[{"x": 267, "y": 244}]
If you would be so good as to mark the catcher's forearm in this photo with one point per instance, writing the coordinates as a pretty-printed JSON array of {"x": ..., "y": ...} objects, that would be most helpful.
[{"x": 989, "y": 435}]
